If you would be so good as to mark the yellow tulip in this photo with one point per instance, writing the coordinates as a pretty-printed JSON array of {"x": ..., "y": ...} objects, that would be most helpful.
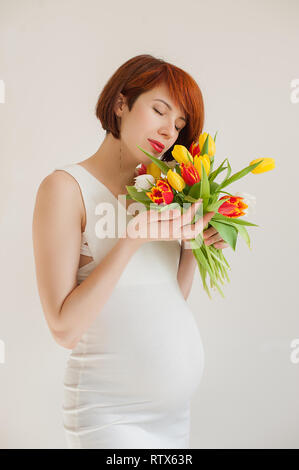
[
  {"x": 205, "y": 159},
  {"x": 181, "y": 154},
  {"x": 153, "y": 169},
  {"x": 175, "y": 180},
  {"x": 266, "y": 165},
  {"x": 212, "y": 146}
]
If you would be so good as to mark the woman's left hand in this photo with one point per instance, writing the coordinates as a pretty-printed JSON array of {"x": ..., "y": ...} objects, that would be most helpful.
[{"x": 211, "y": 236}]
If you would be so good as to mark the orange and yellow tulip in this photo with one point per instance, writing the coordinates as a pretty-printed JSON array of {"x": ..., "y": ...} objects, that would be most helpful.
[
  {"x": 233, "y": 206},
  {"x": 161, "y": 193}
]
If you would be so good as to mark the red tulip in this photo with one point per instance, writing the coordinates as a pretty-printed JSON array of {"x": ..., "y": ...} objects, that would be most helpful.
[
  {"x": 233, "y": 206},
  {"x": 141, "y": 170},
  {"x": 161, "y": 193},
  {"x": 194, "y": 149},
  {"x": 189, "y": 173}
]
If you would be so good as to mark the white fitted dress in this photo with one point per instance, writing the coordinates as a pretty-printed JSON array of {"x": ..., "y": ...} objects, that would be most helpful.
[{"x": 129, "y": 381}]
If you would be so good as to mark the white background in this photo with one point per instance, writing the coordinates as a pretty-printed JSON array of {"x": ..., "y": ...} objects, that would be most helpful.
[{"x": 55, "y": 58}]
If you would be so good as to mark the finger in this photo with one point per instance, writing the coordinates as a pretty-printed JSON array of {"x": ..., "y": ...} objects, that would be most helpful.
[
  {"x": 149, "y": 215},
  {"x": 188, "y": 216},
  {"x": 186, "y": 244},
  {"x": 175, "y": 227},
  {"x": 220, "y": 245},
  {"x": 201, "y": 223},
  {"x": 207, "y": 217},
  {"x": 213, "y": 239},
  {"x": 209, "y": 232},
  {"x": 169, "y": 214},
  {"x": 191, "y": 231},
  {"x": 164, "y": 221}
]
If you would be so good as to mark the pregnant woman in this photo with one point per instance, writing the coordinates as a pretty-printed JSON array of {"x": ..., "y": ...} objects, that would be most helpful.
[{"x": 119, "y": 303}]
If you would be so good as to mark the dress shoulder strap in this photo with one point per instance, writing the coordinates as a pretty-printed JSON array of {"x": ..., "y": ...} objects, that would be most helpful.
[
  {"x": 93, "y": 192},
  {"x": 87, "y": 185}
]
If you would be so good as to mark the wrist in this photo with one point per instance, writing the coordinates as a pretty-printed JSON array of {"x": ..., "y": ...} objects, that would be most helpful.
[
  {"x": 186, "y": 246},
  {"x": 132, "y": 243}
]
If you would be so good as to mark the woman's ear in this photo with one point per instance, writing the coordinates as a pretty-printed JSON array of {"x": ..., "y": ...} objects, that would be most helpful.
[{"x": 120, "y": 105}]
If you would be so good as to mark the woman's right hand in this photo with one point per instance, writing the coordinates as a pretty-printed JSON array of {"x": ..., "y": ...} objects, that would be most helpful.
[{"x": 151, "y": 225}]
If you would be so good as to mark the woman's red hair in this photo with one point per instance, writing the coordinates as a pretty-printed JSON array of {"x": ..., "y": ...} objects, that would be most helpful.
[{"x": 139, "y": 75}]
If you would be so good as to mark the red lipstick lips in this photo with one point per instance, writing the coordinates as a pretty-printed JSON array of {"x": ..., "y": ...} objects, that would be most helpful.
[{"x": 156, "y": 145}]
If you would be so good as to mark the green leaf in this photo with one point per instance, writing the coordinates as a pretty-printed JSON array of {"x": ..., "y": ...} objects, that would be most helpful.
[
  {"x": 195, "y": 190},
  {"x": 171, "y": 206},
  {"x": 211, "y": 163},
  {"x": 190, "y": 199},
  {"x": 178, "y": 197},
  {"x": 235, "y": 220},
  {"x": 197, "y": 242},
  {"x": 213, "y": 186},
  {"x": 203, "y": 273},
  {"x": 214, "y": 206},
  {"x": 242, "y": 231},
  {"x": 239, "y": 174},
  {"x": 163, "y": 167},
  {"x": 229, "y": 170},
  {"x": 203, "y": 264},
  {"x": 139, "y": 196},
  {"x": 229, "y": 233},
  {"x": 186, "y": 189},
  {"x": 213, "y": 252},
  {"x": 224, "y": 192},
  {"x": 218, "y": 170},
  {"x": 190, "y": 158},
  {"x": 205, "y": 186},
  {"x": 244, "y": 234},
  {"x": 201, "y": 257},
  {"x": 178, "y": 170},
  {"x": 205, "y": 147},
  {"x": 215, "y": 136},
  {"x": 210, "y": 259},
  {"x": 213, "y": 195}
]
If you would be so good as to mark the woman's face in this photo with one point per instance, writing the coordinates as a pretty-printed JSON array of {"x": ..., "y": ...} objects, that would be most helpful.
[{"x": 144, "y": 122}]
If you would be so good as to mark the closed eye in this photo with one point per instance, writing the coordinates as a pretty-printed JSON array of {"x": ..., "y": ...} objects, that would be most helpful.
[{"x": 178, "y": 129}]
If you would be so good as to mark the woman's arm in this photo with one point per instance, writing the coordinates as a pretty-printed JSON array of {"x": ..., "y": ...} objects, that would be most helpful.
[
  {"x": 69, "y": 308},
  {"x": 186, "y": 269}
]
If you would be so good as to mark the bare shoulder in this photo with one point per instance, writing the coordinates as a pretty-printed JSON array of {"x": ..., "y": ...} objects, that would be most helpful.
[
  {"x": 59, "y": 179},
  {"x": 61, "y": 188}
]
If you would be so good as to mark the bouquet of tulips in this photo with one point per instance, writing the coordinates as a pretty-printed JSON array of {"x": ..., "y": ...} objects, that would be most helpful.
[{"x": 191, "y": 177}]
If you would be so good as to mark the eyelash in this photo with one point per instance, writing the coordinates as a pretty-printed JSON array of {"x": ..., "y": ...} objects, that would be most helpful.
[{"x": 162, "y": 115}]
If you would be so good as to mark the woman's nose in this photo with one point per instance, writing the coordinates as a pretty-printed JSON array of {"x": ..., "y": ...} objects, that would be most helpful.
[{"x": 168, "y": 132}]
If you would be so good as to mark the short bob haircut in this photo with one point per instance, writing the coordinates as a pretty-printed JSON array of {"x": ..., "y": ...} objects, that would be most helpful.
[{"x": 139, "y": 75}]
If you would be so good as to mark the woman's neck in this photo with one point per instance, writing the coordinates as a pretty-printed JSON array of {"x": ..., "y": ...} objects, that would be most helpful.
[{"x": 105, "y": 164}]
